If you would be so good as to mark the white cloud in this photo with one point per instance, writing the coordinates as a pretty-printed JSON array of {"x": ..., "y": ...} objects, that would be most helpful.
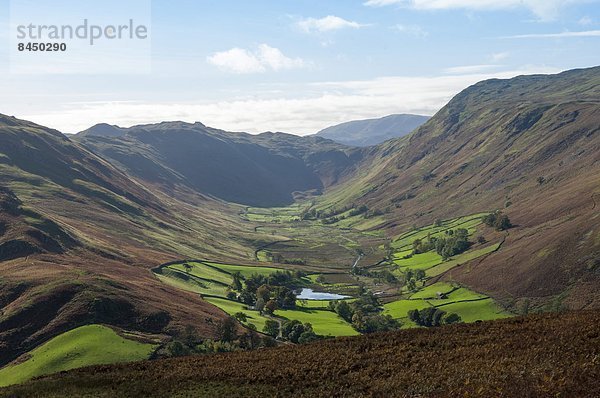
[
  {"x": 241, "y": 61},
  {"x": 561, "y": 35},
  {"x": 495, "y": 57},
  {"x": 585, "y": 21},
  {"x": 314, "y": 107},
  {"x": 467, "y": 69},
  {"x": 327, "y": 24},
  {"x": 543, "y": 9},
  {"x": 412, "y": 30}
]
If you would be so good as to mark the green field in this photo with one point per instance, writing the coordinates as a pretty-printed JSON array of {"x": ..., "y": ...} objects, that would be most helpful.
[
  {"x": 325, "y": 323},
  {"x": 404, "y": 241},
  {"x": 233, "y": 307},
  {"x": 207, "y": 278},
  {"x": 399, "y": 309},
  {"x": 245, "y": 270},
  {"x": 422, "y": 261},
  {"x": 84, "y": 346},
  {"x": 431, "y": 291},
  {"x": 471, "y": 311},
  {"x": 461, "y": 259}
]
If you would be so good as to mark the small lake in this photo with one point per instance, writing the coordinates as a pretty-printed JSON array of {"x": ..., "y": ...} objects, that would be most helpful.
[{"x": 309, "y": 294}]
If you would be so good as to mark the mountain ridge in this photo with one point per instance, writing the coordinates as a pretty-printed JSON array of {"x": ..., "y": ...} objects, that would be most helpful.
[{"x": 370, "y": 132}]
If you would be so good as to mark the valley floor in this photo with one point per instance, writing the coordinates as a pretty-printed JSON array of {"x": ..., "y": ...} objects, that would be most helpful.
[{"x": 537, "y": 356}]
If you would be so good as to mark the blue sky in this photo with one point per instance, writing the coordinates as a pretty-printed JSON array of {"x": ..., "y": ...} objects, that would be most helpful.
[{"x": 301, "y": 65}]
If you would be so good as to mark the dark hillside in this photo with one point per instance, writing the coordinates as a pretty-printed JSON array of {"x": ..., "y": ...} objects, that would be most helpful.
[{"x": 537, "y": 356}]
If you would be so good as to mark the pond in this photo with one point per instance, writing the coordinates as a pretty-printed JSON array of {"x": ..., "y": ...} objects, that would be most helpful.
[{"x": 309, "y": 294}]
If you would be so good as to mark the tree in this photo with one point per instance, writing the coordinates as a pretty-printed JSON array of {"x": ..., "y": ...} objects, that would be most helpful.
[
  {"x": 270, "y": 306},
  {"x": 420, "y": 274},
  {"x": 260, "y": 305},
  {"x": 232, "y": 295},
  {"x": 237, "y": 281},
  {"x": 271, "y": 328},
  {"x": 240, "y": 316},
  {"x": 344, "y": 311},
  {"x": 226, "y": 330},
  {"x": 188, "y": 267},
  {"x": 263, "y": 292},
  {"x": 452, "y": 318},
  {"x": 481, "y": 239},
  {"x": 307, "y": 336},
  {"x": 498, "y": 220}
]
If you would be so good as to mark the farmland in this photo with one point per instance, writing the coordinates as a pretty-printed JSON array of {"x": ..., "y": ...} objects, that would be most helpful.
[{"x": 407, "y": 290}]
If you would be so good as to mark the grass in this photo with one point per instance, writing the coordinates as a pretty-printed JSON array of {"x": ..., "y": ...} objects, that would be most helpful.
[
  {"x": 244, "y": 270},
  {"x": 233, "y": 307},
  {"x": 84, "y": 346},
  {"x": 322, "y": 304},
  {"x": 399, "y": 309},
  {"x": 194, "y": 284},
  {"x": 432, "y": 290},
  {"x": 471, "y": 311},
  {"x": 421, "y": 261},
  {"x": 461, "y": 259},
  {"x": 326, "y": 323},
  {"x": 405, "y": 240},
  {"x": 205, "y": 272}
]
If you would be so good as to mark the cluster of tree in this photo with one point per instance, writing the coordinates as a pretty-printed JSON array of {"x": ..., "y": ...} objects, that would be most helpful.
[
  {"x": 411, "y": 277},
  {"x": 364, "y": 314},
  {"x": 278, "y": 258},
  {"x": 379, "y": 275},
  {"x": 188, "y": 343},
  {"x": 454, "y": 242},
  {"x": 334, "y": 215},
  {"x": 432, "y": 316},
  {"x": 293, "y": 331},
  {"x": 497, "y": 220},
  {"x": 266, "y": 293}
]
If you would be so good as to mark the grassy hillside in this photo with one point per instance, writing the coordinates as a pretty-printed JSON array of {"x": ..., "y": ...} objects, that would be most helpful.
[
  {"x": 84, "y": 346},
  {"x": 553, "y": 354},
  {"x": 529, "y": 146}
]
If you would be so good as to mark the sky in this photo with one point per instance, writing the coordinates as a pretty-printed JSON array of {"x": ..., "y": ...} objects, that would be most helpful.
[{"x": 295, "y": 66}]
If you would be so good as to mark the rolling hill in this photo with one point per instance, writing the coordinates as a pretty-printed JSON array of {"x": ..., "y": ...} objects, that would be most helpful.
[{"x": 371, "y": 132}]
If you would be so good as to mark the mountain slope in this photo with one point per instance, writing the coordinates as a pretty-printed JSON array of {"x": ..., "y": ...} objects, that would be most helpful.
[
  {"x": 528, "y": 145},
  {"x": 264, "y": 170},
  {"x": 77, "y": 239},
  {"x": 373, "y": 131}
]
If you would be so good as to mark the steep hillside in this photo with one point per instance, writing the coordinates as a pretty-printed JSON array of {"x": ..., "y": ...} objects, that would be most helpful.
[
  {"x": 528, "y": 145},
  {"x": 537, "y": 356},
  {"x": 77, "y": 239},
  {"x": 373, "y": 131},
  {"x": 264, "y": 170}
]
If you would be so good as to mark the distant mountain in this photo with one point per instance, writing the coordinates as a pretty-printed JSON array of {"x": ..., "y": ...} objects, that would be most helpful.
[
  {"x": 103, "y": 130},
  {"x": 257, "y": 170},
  {"x": 373, "y": 131}
]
